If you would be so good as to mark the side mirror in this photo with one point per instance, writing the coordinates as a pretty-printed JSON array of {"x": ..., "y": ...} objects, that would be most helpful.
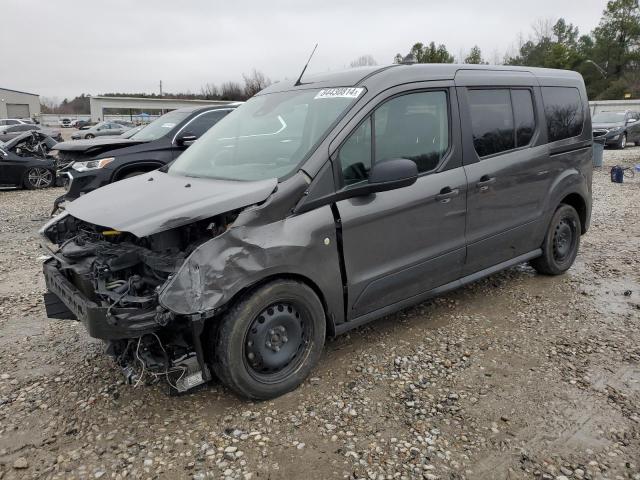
[
  {"x": 185, "y": 139},
  {"x": 632, "y": 120},
  {"x": 388, "y": 175}
]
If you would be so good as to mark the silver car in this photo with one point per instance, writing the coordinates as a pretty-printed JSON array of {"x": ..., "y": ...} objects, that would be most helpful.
[{"x": 99, "y": 130}]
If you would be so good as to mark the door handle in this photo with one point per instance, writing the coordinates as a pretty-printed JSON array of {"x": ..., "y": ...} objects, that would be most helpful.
[
  {"x": 484, "y": 182},
  {"x": 446, "y": 194}
]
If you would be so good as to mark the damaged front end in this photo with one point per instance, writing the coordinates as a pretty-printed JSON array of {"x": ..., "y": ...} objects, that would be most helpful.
[{"x": 111, "y": 280}]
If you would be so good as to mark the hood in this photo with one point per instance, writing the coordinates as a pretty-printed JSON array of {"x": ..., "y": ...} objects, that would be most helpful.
[
  {"x": 154, "y": 202},
  {"x": 94, "y": 143}
]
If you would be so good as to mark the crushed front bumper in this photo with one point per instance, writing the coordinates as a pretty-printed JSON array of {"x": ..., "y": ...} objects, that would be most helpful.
[{"x": 101, "y": 322}]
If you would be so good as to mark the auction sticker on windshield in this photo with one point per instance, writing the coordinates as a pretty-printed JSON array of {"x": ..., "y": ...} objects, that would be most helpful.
[{"x": 345, "y": 92}]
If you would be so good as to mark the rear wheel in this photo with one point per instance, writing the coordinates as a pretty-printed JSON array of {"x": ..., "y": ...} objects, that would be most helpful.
[
  {"x": 561, "y": 242},
  {"x": 269, "y": 342},
  {"x": 37, "y": 177}
]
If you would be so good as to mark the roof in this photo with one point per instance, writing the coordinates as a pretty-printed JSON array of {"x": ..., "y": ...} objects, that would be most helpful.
[
  {"x": 18, "y": 91},
  {"x": 398, "y": 73}
]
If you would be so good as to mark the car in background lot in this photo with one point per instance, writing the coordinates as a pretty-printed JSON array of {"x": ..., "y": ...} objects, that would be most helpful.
[
  {"x": 153, "y": 146},
  {"x": 99, "y": 130},
  {"x": 616, "y": 129},
  {"x": 64, "y": 122},
  {"x": 16, "y": 121},
  {"x": 8, "y": 132},
  {"x": 322, "y": 205},
  {"x": 81, "y": 124},
  {"x": 25, "y": 161},
  {"x": 124, "y": 123}
]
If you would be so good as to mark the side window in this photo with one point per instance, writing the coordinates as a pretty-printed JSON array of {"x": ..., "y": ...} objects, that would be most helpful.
[
  {"x": 415, "y": 127},
  {"x": 524, "y": 117},
  {"x": 491, "y": 121},
  {"x": 205, "y": 121},
  {"x": 355, "y": 155},
  {"x": 563, "y": 111}
]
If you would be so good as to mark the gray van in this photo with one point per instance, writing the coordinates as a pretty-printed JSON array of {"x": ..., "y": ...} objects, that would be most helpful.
[{"x": 318, "y": 206}]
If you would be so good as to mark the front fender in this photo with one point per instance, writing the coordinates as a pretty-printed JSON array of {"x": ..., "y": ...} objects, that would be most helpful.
[{"x": 303, "y": 245}]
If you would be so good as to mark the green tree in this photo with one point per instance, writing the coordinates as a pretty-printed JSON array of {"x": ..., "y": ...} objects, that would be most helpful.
[
  {"x": 429, "y": 53},
  {"x": 475, "y": 56},
  {"x": 617, "y": 36}
]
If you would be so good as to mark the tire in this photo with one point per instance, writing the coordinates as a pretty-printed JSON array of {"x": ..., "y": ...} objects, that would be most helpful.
[
  {"x": 270, "y": 340},
  {"x": 36, "y": 178},
  {"x": 561, "y": 243},
  {"x": 89, "y": 136},
  {"x": 622, "y": 143}
]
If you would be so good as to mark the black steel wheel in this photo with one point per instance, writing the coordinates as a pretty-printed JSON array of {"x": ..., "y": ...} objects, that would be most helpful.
[
  {"x": 561, "y": 243},
  {"x": 270, "y": 340},
  {"x": 89, "y": 136},
  {"x": 37, "y": 177}
]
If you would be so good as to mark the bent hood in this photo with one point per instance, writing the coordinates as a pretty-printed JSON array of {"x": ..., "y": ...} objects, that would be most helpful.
[
  {"x": 86, "y": 145},
  {"x": 154, "y": 202}
]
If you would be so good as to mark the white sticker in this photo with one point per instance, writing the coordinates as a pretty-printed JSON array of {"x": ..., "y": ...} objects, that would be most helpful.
[
  {"x": 343, "y": 92},
  {"x": 168, "y": 125}
]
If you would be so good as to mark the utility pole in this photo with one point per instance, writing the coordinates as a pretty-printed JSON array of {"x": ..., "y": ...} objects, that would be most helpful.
[{"x": 160, "y": 87}]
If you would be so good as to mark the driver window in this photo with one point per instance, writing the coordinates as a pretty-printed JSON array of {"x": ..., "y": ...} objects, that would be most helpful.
[{"x": 414, "y": 126}]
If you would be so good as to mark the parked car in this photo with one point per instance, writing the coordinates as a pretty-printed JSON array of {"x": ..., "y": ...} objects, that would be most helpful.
[
  {"x": 152, "y": 147},
  {"x": 125, "y": 123},
  {"x": 617, "y": 128},
  {"x": 128, "y": 134},
  {"x": 25, "y": 161},
  {"x": 81, "y": 124},
  {"x": 99, "y": 130},
  {"x": 319, "y": 206},
  {"x": 15, "y": 121},
  {"x": 8, "y": 132},
  {"x": 65, "y": 122}
]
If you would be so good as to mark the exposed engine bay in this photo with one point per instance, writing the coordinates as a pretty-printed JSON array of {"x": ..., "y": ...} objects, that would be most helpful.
[
  {"x": 121, "y": 275},
  {"x": 34, "y": 144}
]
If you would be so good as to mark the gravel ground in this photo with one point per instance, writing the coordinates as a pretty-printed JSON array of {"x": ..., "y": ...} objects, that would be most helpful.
[{"x": 515, "y": 376}]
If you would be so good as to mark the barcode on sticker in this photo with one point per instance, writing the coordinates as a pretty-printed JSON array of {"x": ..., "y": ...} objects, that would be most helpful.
[{"x": 343, "y": 92}]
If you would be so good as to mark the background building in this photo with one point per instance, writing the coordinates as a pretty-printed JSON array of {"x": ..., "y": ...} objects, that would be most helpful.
[{"x": 15, "y": 104}]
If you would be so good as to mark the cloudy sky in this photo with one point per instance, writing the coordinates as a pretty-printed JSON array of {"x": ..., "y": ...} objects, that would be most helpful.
[{"x": 61, "y": 49}]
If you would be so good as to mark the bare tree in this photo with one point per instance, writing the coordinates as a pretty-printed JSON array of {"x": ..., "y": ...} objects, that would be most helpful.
[
  {"x": 209, "y": 91},
  {"x": 231, "y": 91},
  {"x": 254, "y": 83},
  {"x": 363, "y": 61},
  {"x": 542, "y": 28}
]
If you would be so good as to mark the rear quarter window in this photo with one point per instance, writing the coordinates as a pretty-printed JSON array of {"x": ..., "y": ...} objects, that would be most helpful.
[{"x": 563, "y": 112}]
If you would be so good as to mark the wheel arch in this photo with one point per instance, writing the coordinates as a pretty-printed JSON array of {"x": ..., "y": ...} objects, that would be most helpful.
[
  {"x": 142, "y": 166},
  {"x": 580, "y": 205}
]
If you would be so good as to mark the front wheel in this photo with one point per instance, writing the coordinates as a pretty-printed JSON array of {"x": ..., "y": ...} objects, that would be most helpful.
[
  {"x": 622, "y": 142},
  {"x": 89, "y": 136},
  {"x": 561, "y": 242},
  {"x": 268, "y": 343},
  {"x": 37, "y": 177}
]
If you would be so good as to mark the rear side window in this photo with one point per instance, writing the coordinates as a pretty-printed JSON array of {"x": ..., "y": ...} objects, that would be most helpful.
[
  {"x": 523, "y": 115},
  {"x": 491, "y": 121},
  {"x": 563, "y": 111}
]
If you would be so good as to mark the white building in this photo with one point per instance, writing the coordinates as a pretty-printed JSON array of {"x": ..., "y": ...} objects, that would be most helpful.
[{"x": 15, "y": 104}]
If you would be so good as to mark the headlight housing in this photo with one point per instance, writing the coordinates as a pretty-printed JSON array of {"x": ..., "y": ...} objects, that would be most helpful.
[{"x": 92, "y": 164}]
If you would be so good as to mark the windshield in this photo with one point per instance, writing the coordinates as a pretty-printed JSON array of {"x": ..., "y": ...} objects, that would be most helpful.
[
  {"x": 160, "y": 126},
  {"x": 608, "y": 117},
  {"x": 267, "y": 137}
]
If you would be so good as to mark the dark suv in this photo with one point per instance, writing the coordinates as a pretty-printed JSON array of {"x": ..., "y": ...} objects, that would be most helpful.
[
  {"x": 617, "y": 128},
  {"x": 155, "y": 145},
  {"x": 319, "y": 206}
]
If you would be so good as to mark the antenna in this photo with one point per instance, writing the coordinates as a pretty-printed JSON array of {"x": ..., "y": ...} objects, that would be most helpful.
[{"x": 298, "y": 82}]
